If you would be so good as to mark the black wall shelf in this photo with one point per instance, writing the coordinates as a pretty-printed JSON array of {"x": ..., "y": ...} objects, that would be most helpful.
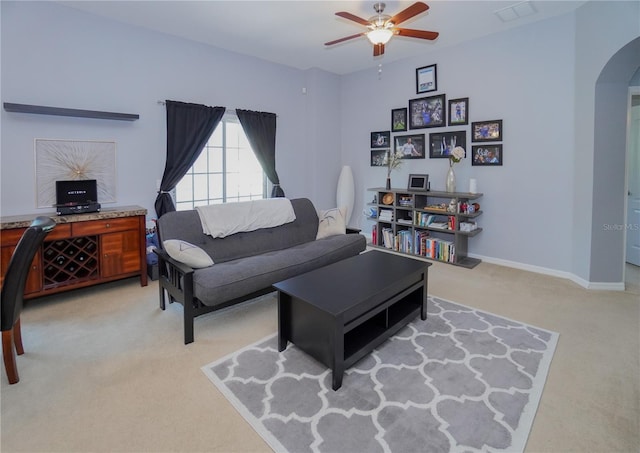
[{"x": 58, "y": 111}]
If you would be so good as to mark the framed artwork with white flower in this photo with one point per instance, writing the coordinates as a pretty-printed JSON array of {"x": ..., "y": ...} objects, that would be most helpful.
[{"x": 441, "y": 144}]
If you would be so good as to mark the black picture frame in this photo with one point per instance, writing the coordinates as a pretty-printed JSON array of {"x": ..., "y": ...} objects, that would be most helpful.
[
  {"x": 430, "y": 111},
  {"x": 411, "y": 146},
  {"x": 377, "y": 157},
  {"x": 487, "y": 155},
  {"x": 427, "y": 79},
  {"x": 441, "y": 144},
  {"x": 418, "y": 183},
  {"x": 458, "y": 112},
  {"x": 486, "y": 131},
  {"x": 399, "y": 120},
  {"x": 381, "y": 139}
]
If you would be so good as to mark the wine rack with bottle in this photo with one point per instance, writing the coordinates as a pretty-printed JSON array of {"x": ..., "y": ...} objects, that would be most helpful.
[{"x": 69, "y": 261}]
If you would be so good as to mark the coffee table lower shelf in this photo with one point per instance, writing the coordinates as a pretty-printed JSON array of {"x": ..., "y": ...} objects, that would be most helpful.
[{"x": 340, "y": 338}]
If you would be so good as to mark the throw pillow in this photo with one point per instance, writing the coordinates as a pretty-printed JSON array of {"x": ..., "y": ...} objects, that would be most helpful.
[
  {"x": 332, "y": 222},
  {"x": 189, "y": 254}
]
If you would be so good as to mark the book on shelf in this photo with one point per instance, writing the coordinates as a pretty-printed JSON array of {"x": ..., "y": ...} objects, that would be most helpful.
[
  {"x": 439, "y": 225},
  {"x": 388, "y": 239},
  {"x": 434, "y": 248},
  {"x": 403, "y": 242},
  {"x": 423, "y": 219},
  {"x": 451, "y": 222}
]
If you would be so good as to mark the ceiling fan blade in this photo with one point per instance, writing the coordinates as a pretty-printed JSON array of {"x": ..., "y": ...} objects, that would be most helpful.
[
  {"x": 422, "y": 34},
  {"x": 346, "y": 38},
  {"x": 378, "y": 49},
  {"x": 413, "y": 10},
  {"x": 346, "y": 15}
]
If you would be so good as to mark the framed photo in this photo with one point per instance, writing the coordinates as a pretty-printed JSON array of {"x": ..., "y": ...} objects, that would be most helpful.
[
  {"x": 418, "y": 183},
  {"x": 486, "y": 154},
  {"x": 427, "y": 112},
  {"x": 399, "y": 120},
  {"x": 380, "y": 139},
  {"x": 377, "y": 157},
  {"x": 441, "y": 144},
  {"x": 486, "y": 131},
  {"x": 426, "y": 79},
  {"x": 411, "y": 146},
  {"x": 458, "y": 111}
]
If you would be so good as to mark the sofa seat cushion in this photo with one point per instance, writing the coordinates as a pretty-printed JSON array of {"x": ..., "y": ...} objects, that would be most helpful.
[{"x": 237, "y": 278}]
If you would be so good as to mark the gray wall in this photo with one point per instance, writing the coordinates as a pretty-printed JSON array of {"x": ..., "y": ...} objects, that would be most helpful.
[
  {"x": 594, "y": 50},
  {"x": 610, "y": 156},
  {"x": 58, "y": 56},
  {"x": 541, "y": 207},
  {"x": 524, "y": 77}
]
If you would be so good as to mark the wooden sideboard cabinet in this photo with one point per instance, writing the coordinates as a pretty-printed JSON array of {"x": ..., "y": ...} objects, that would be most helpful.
[{"x": 82, "y": 250}]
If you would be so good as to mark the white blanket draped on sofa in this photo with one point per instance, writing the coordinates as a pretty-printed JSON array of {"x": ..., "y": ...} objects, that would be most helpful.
[{"x": 220, "y": 220}]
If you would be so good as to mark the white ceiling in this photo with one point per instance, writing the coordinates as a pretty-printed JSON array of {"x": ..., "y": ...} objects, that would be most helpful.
[{"x": 293, "y": 32}]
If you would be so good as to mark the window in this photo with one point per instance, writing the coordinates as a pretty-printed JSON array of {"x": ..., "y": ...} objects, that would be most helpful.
[{"x": 227, "y": 170}]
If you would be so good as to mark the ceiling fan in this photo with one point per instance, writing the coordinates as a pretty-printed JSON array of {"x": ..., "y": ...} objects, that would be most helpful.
[{"x": 382, "y": 27}]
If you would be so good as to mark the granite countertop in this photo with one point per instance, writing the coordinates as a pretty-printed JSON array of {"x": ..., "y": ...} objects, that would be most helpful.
[{"x": 24, "y": 220}]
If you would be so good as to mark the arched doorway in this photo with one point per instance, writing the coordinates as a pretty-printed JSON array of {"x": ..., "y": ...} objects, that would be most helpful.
[{"x": 609, "y": 166}]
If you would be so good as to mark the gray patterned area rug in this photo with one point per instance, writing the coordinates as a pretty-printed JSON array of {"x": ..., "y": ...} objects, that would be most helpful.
[{"x": 463, "y": 380}]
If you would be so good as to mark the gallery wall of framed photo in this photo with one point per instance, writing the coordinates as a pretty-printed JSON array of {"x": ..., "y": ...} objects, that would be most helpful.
[{"x": 407, "y": 139}]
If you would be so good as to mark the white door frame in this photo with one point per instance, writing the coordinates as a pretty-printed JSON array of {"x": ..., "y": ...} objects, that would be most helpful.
[{"x": 633, "y": 91}]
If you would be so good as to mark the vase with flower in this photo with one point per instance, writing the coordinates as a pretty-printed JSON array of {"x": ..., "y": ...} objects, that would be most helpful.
[
  {"x": 456, "y": 156},
  {"x": 392, "y": 160}
]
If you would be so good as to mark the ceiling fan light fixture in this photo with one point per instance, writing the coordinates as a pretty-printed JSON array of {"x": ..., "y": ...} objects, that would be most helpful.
[{"x": 379, "y": 35}]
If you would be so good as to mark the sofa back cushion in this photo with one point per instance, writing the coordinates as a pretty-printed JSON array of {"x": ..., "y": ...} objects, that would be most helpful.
[{"x": 186, "y": 225}]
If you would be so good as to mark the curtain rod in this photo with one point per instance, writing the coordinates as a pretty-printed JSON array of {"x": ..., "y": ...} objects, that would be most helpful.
[{"x": 226, "y": 109}]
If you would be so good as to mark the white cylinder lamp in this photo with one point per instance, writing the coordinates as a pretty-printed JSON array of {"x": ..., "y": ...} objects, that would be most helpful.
[
  {"x": 473, "y": 185},
  {"x": 345, "y": 194}
]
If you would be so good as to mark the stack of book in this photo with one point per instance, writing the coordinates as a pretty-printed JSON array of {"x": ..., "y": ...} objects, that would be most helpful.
[{"x": 386, "y": 215}]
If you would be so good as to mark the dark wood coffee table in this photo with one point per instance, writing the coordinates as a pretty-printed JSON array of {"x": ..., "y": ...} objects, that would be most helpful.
[{"x": 339, "y": 313}]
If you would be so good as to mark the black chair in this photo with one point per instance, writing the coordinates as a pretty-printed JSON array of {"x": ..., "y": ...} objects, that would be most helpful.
[{"x": 11, "y": 298}]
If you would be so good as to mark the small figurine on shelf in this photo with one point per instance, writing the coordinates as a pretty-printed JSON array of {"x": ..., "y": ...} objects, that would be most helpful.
[{"x": 453, "y": 206}]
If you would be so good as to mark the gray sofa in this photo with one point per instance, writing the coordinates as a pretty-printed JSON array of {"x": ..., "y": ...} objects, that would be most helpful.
[{"x": 246, "y": 263}]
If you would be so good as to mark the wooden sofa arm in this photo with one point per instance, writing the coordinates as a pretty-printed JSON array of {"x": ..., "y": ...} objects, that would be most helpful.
[
  {"x": 164, "y": 256},
  {"x": 176, "y": 279}
]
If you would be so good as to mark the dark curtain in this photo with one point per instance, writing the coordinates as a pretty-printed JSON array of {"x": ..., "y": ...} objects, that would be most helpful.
[
  {"x": 260, "y": 128},
  {"x": 189, "y": 127}
]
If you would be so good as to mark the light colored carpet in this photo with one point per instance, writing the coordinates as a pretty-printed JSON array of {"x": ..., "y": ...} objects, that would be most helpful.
[
  {"x": 105, "y": 370},
  {"x": 461, "y": 380}
]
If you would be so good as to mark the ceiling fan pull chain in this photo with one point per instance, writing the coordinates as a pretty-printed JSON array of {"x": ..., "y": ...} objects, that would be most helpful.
[{"x": 379, "y": 71}]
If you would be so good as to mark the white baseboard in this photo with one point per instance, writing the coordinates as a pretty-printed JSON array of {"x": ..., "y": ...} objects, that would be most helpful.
[
  {"x": 603, "y": 286},
  {"x": 607, "y": 286}
]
